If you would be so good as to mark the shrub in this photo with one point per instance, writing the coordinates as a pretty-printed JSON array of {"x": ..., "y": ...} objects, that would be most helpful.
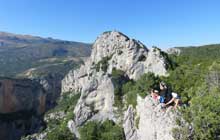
[
  {"x": 118, "y": 78},
  {"x": 66, "y": 103},
  {"x": 203, "y": 113},
  {"x": 103, "y": 64},
  {"x": 195, "y": 79},
  {"x": 60, "y": 133},
  {"x": 140, "y": 87},
  {"x": 107, "y": 130},
  {"x": 58, "y": 127}
]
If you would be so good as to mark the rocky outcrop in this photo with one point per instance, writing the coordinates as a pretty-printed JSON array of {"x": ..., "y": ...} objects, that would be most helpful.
[
  {"x": 96, "y": 101},
  {"x": 112, "y": 48},
  {"x": 138, "y": 60},
  {"x": 175, "y": 51},
  {"x": 51, "y": 84},
  {"x": 154, "y": 123},
  {"x": 93, "y": 80},
  {"x": 95, "y": 83},
  {"x": 129, "y": 126}
]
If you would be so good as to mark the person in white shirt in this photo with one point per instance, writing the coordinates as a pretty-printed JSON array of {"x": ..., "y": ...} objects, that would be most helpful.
[{"x": 175, "y": 99}]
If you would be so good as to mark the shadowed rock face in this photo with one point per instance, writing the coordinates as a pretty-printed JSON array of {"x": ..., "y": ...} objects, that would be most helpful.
[
  {"x": 21, "y": 95},
  {"x": 22, "y": 103}
]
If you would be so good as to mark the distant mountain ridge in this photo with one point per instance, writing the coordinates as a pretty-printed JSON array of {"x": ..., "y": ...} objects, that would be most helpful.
[
  {"x": 5, "y": 36},
  {"x": 201, "y": 50},
  {"x": 19, "y": 53}
]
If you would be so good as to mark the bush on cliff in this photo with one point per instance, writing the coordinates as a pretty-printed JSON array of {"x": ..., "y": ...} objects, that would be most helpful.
[
  {"x": 140, "y": 87},
  {"x": 107, "y": 130},
  {"x": 60, "y": 133},
  {"x": 119, "y": 78},
  {"x": 58, "y": 127}
]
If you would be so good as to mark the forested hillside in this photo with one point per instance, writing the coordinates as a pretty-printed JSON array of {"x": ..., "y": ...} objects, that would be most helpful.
[{"x": 197, "y": 79}]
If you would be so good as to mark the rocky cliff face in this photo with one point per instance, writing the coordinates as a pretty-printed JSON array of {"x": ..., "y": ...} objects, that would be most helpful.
[
  {"x": 51, "y": 84},
  {"x": 22, "y": 102},
  {"x": 113, "y": 50},
  {"x": 21, "y": 95}
]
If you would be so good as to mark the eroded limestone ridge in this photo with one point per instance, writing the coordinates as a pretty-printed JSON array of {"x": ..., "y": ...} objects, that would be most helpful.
[
  {"x": 115, "y": 50},
  {"x": 93, "y": 80}
]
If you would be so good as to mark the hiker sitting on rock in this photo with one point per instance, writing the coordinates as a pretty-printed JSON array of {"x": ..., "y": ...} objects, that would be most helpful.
[
  {"x": 175, "y": 99},
  {"x": 155, "y": 95}
]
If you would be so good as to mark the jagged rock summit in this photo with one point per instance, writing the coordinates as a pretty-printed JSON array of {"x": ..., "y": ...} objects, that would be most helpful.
[
  {"x": 116, "y": 50},
  {"x": 93, "y": 80}
]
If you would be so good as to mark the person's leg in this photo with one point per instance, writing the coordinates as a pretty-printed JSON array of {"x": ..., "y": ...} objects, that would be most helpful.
[{"x": 176, "y": 103}]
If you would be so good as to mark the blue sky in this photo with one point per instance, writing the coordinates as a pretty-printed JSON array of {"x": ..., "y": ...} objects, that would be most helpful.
[{"x": 164, "y": 23}]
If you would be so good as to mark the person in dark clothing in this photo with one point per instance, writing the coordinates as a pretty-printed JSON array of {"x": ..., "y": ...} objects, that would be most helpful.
[
  {"x": 175, "y": 99},
  {"x": 165, "y": 92}
]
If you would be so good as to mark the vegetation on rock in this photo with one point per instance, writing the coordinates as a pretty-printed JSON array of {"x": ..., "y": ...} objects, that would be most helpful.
[
  {"x": 57, "y": 127},
  {"x": 107, "y": 130},
  {"x": 119, "y": 78},
  {"x": 60, "y": 132},
  {"x": 103, "y": 64},
  {"x": 140, "y": 87}
]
